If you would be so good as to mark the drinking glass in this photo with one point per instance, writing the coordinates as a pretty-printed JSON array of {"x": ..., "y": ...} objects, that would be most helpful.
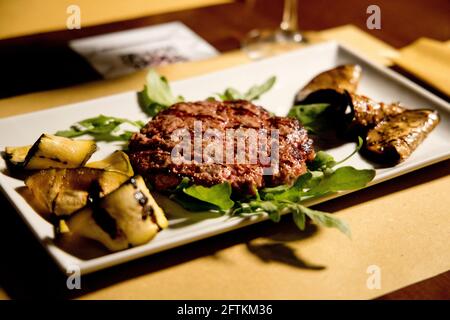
[{"x": 260, "y": 43}]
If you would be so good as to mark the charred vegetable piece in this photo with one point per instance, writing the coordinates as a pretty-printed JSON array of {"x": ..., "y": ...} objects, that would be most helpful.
[
  {"x": 396, "y": 137},
  {"x": 64, "y": 191},
  {"x": 16, "y": 155},
  {"x": 362, "y": 113},
  {"x": 118, "y": 162},
  {"x": 330, "y": 84},
  {"x": 51, "y": 151},
  {"x": 129, "y": 216}
]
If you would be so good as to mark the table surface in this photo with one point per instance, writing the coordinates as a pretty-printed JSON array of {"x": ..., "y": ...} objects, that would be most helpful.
[{"x": 403, "y": 21}]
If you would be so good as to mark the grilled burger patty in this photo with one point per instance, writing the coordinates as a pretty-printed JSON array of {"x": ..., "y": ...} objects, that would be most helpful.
[{"x": 150, "y": 149}]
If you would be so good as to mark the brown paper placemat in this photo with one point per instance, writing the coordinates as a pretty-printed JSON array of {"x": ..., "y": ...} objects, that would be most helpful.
[{"x": 401, "y": 226}]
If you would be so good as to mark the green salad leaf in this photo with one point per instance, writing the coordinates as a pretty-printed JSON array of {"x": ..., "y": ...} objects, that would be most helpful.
[
  {"x": 321, "y": 179},
  {"x": 324, "y": 160},
  {"x": 274, "y": 209},
  {"x": 358, "y": 147},
  {"x": 192, "y": 204},
  {"x": 312, "y": 116},
  {"x": 156, "y": 95},
  {"x": 217, "y": 195},
  {"x": 102, "y": 128},
  {"x": 199, "y": 198},
  {"x": 341, "y": 179},
  {"x": 254, "y": 93},
  {"x": 325, "y": 219}
]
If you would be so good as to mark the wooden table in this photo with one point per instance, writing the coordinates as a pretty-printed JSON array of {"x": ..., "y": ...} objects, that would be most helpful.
[{"x": 43, "y": 61}]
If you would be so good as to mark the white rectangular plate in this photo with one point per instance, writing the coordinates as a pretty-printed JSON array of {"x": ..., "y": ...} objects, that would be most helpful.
[{"x": 293, "y": 70}]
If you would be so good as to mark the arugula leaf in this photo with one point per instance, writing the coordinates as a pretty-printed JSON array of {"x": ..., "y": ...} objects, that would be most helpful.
[
  {"x": 190, "y": 203},
  {"x": 326, "y": 220},
  {"x": 323, "y": 160},
  {"x": 217, "y": 195},
  {"x": 254, "y": 93},
  {"x": 299, "y": 212},
  {"x": 287, "y": 199},
  {"x": 156, "y": 95},
  {"x": 294, "y": 193},
  {"x": 299, "y": 218},
  {"x": 230, "y": 94},
  {"x": 311, "y": 116},
  {"x": 342, "y": 179},
  {"x": 102, "y": 128},
  {"x": 358, "y": 147}
]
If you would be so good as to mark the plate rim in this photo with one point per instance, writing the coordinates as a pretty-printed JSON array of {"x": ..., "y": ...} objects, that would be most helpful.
[{"x": 109, "y": 260}]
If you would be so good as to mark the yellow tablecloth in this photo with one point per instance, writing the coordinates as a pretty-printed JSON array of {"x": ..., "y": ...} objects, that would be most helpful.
[{"x": 24, "y": 17}]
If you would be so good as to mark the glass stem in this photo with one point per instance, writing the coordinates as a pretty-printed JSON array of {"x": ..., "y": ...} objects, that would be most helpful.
[{"x": 290, "y": 19}]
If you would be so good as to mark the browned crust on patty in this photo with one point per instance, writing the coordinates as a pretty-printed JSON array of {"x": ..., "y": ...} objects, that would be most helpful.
[{"x": 150, "y": 149}]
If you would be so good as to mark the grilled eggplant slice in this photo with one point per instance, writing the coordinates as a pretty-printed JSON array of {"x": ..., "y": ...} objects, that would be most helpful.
[
  {"x": 392, "y": 131},
  {"x": 362, "y": 113},
  {"x": 129, "y": 216},
  {"x": 64, "y": 191},
  {"x": 51, "y": 151},
  {"x": 330, "y": 85},
  {"x": 395, "y": 138}
]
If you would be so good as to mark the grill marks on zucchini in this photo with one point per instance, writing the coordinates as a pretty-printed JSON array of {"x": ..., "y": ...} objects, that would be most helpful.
[
  {"x": 105, "y": 221},
  {"x": 64, "y": 191},
  {"x": 99, "y": 201},
  {"x": 120, "y": 219},
  {"x": 50, "y": 151},
  {"x": 100, "y": 215},
  {"x": 15, "y": 156}
]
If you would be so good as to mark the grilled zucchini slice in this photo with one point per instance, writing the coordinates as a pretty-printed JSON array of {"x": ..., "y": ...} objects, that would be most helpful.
[
  {"x": 129, "y": 216},
  {"x": 16, "y": 155},
  {"x": 118, "y": 161},
  {"x": 51, "y": 151},
  {"x": 64, "y": 191}
]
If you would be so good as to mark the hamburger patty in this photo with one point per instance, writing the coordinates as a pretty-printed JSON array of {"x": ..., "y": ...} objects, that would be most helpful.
[{"x": 150, "y": 149}]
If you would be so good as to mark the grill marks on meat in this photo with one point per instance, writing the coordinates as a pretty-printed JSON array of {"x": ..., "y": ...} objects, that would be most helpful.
[{"x": 150, "y": 150}]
